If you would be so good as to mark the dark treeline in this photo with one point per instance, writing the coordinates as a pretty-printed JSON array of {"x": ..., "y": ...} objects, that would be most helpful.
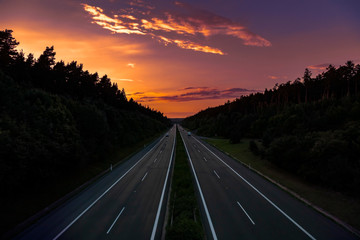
[
  {"x": 57, "y": 117},
  {"x": 310, "y": 127}
]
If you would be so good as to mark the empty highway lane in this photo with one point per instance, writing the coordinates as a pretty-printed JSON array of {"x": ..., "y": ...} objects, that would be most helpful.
[
  {"x": 127, "y": 203},
  {"x": 242, "y": 205}
]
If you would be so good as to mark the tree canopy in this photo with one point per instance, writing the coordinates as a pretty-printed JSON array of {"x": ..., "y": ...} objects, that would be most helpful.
[
  {"x": 57, "y": 117},
  {"x": 309, "y": 127},
  {"x": 7, "y": 47}
]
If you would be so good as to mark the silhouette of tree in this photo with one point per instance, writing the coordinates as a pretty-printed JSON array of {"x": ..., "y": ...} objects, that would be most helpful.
[
  {"x": 30, "y": 60},
  {"x": 357, "y": 78},
  {"x": 57, "y": 117},
  {"x": 47, "y": 58},
  {"x": 307, "y": 82},
  {"x": 349, "y": 73},
  {"x": 7, "y": 48},
  {"x": 307, "y": 128}
]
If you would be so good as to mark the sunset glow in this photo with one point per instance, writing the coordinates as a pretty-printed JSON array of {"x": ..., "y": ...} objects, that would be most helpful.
[
  {"x": 183, "y": 56},
  {"x": 204, "y": 23}
]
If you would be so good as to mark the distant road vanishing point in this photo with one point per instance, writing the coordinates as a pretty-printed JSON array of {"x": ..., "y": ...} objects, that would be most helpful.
[{"x": 235, "y": 202}]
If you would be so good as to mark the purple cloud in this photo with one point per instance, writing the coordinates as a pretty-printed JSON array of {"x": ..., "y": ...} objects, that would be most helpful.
[
  {"x": 319, "y": 67},
  {"x": 204, "y": 93},
  {"x": 185, "y": 27}
]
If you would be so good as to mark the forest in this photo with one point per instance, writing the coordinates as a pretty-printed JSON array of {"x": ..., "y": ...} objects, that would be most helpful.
[
  {"x": 57, "y": 118},
  {"x": 309, "y": 127}
]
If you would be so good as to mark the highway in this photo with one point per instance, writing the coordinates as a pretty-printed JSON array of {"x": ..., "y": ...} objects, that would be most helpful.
[
  {"x": 239, "y": 204},
  {"x": 127, "y": 203}
]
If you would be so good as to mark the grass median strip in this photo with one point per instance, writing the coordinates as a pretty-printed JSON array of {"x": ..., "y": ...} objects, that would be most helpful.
[
  {"x": 339, "y": 205},
  {"x": 184, "y": 219}
]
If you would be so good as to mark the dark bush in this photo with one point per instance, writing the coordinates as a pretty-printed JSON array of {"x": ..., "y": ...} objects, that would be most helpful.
[{"x": 253, "y": 147}]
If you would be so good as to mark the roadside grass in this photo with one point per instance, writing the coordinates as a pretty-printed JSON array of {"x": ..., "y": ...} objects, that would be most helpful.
[
  {"x": 184, "y": 217},
  {"x": 343, "y": 207},
  {"x": 27, "y": 203}
]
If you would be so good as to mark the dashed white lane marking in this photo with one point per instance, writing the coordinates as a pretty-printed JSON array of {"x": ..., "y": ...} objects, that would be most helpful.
[
  {"x": 260, "y": 193},
  {"x": 144, "y": 176},
  {"x": 246, "y": 213},
  {"x": 217, "y": 174},
  {"x": 107, "y": 190},
  {"x": 115, "y": 220},
  {"x": 162, "y": 194}
]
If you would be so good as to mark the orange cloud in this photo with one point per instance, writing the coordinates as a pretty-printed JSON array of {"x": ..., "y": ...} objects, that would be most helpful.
[
  {"x": 186, "y": 31},
  {"x": 131, "y": 65},
  {"x": 319, "y": 67},
  {"x": 122, "y": 80},
  {"x": 192, "y": 94},
  {"x": 187, "y": 101},
  {"x": 113, "y": 24},
  {"x": 191, "y": 45},
  {"x": 207, "y": 25},
  {"x": 273, "y": 77},
  {"x": 128, "y": 17}
]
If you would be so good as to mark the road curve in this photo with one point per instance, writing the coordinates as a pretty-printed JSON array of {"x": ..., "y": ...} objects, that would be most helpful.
[
  {"x": 127, "y": 203},
  {"x": 243, "y": 205}
]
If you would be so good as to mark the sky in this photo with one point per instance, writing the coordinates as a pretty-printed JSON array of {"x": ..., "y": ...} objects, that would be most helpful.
[{"x": 180, "y": 57}]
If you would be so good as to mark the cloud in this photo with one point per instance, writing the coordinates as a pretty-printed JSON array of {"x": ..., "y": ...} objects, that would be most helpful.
[
  {"x": 319, "y": 67},
  {"x": 191, "y": 45},
  {"x": 131, "y": 65},
  {"x": 186, "y": 28},
  {"x": 136, "y": 93},
  {"x": 179, "y": 115},
  {"x": 114, "y": 24},
  {"x": 189, "y": 88},
  {"x": 212, "y": 92},
  {"x": 273, "y": 77},
  {"x": 122, "y": 79},
  {"x": 196, "y": 94},
  {"x": 141, "y": 4},
  {"x": 209, "y": 24}
]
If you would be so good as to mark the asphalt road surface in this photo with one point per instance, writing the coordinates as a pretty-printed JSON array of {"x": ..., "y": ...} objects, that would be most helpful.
[
  {"x": 239, "y": 204},
  {"x": 128, "y": 203}
]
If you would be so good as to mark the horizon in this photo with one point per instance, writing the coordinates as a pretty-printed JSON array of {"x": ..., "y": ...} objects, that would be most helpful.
[{"x": 185, "y": 56}]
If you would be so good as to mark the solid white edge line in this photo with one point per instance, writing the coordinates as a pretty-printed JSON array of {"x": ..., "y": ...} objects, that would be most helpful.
[
  {"x": 107, "y": 190},
  {"x": 273, "y": 204},
  {"x": 201, "y": 194},
  {"x": 217, "y": 174},
  {"x": 163, "y": 193},
  {"x": 144, "y": 176},
  {"x": 115, "y": 220},
  {"x": 246, "y": 213}
]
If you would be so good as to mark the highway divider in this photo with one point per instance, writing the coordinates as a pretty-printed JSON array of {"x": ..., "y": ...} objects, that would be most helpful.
[{"x": 184, "y": 216}]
